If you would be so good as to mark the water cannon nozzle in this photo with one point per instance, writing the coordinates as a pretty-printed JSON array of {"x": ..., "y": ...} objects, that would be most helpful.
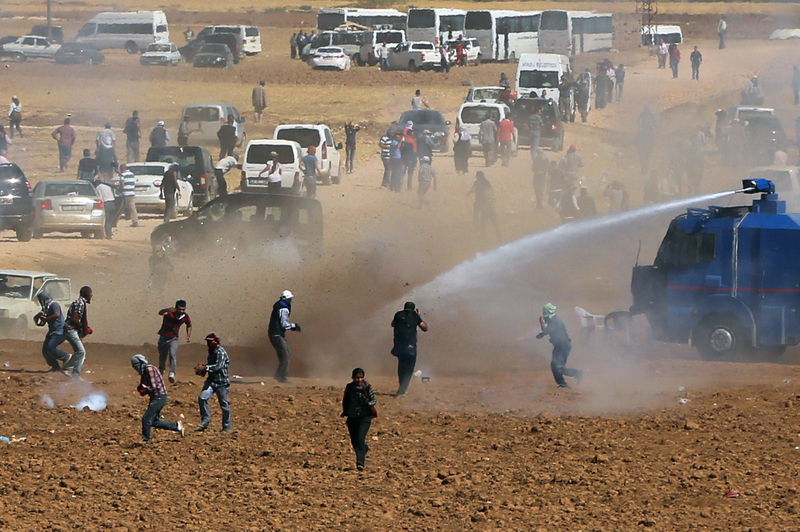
[{"x": 755, "y": 186}]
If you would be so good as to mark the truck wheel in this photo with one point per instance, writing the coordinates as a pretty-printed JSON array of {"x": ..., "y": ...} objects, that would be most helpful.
[
  {"x": 721, "y": 337},
  {"x": 412, "y": 66},
  {"x": 131, "y": 47},
  {"x": 24, "y": 235}
]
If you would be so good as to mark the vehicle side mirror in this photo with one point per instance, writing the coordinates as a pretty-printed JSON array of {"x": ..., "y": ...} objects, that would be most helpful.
[
  {"x": 339, "y": 146},
  {"x": 447, "y": 122}
]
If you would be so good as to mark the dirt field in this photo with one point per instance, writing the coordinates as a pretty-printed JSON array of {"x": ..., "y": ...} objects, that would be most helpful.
[{"x": 489, "y": 443}]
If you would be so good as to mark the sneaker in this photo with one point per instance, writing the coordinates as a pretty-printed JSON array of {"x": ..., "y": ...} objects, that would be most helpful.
[
  {"x": 203, "y": 425},
  {"x": 180, "y": 429},
  {"x": 226, "y": 429},
  {"x": 53, "y": 369},
  {"x": 171, "y": 377},
  {"x": 563, "y": 386},
  {"x": 360, "y": 467}
]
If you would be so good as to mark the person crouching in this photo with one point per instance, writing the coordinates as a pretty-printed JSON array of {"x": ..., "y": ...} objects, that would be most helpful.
[{"x": 152, "y": 384}]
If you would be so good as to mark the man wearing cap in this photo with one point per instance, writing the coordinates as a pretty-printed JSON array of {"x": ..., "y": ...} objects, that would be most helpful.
[
  {"x": 562, "y": 345},
  {"x": 217, "y": 382},
  {"x": 168, "y": 336},
  {"x": 405, "y": 323},
  {"x": 159, "y": 136},
  {"x": 259, "y": 98},
  {"x": 273, "y": 170},
  {"x": 278, "y": 325},
  {"x": 152, "y": 383}
]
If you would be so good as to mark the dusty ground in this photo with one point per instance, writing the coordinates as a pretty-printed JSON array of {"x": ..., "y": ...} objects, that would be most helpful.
[{"x": 488, "y": 444}]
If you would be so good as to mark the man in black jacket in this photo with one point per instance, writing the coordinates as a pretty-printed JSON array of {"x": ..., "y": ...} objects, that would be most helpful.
[
  {"x": 405, "y": 325},
  {"x": 562, "y": 345},
  {"x": 278, "y": 325},
  {"x": 227, "y": 138}
]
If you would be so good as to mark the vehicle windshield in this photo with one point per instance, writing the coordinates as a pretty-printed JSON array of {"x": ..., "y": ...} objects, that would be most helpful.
[
  {"x": 476, "y": 115},
  {"x": 389, "y": 37},
  {"x": 15, "y": 286},
  {"x": 70, "y": 189},
  {"x": 304, "y": 137},
  {"x": 157, "y": 47},
  {"x": 535, "y": 79},
  {"x": 214, "y": 49},
  {"x": 680, "y": 248},
  {"x": 185, "y": 158},
  {"x": 451, "y": 22},
  {"x": 524, "y": 108},
  {"x": 202, "y": 114},
  {"x": 553, "y": 20},
  {"x": 138, "y": 170},
  {"x": 259, "y": 153},
  {"x": 422, "y": 46},
  {"x": 12, "y": 180},
  {"x": 329, "y": 51},
  {"x": 251, "y": 31},
  {"x": 478, "y": 20},
  {"x": 486, "y": 94},
  {"x": 228, "y": 29},
  {"x": 424, "y": 116},
  {"x": 422, "y": 18}
]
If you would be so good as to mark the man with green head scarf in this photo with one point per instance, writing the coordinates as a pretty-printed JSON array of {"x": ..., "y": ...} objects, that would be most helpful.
[{"x": 562, "y": 345}]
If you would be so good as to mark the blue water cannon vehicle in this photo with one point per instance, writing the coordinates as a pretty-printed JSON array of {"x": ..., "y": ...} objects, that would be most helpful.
[{"x": 726, "y": 280}]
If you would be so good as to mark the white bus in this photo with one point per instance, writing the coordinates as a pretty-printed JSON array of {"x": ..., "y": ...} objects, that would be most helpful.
[
  {"x": 573, "y": 32},
  {"x": 332, "y": 18},
  {"x": 504, "y": 35},
  {"x": 435, "y": 25},
  {"x": 132, "y": 31}
]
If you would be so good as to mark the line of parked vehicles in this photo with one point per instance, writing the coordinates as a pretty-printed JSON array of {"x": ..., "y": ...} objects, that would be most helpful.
[{"x": 145, "y": 32}]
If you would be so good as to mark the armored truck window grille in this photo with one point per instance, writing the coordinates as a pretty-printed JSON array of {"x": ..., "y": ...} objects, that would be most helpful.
[{"x": 684, "y": 249}]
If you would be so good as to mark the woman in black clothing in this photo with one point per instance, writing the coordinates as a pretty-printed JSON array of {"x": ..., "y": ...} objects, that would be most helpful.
[{"x": 358, "y": 406}]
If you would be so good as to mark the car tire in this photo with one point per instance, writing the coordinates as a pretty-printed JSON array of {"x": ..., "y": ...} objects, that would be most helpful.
[
  {"x": 99, "y": 234},
  {"x": 358, "y": 61},
  {"x": 478, "y": 60},
  {"x": 87, "y": 234},
  {"x": 412, "y": 66},
  {"x": 18, "y": 58},
  {"x": 131, "y": 47},
  {"x": 38, "y": 233},
  {"x": 24, "y": 235}
]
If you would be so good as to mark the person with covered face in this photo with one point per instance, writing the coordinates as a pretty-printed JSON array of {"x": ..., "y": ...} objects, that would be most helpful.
[
  {"x": 217, "y": 382},
  {"x": 358, "y": 406},
  {"x": 52, "y": 316},
  {"x": 75, "y": 330},
  {"x": 405, "y": 324},
  {"x": 278, "y": 325},
  {"x": 553, "y": 327},
  {"x": 151, "y": 383}
]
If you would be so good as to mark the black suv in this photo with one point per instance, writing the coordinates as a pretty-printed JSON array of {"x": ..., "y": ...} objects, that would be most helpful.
[
  {"x": 16, "y": 202},
  {"x": 196, "y": 167},
  {"x": 244, "y": 219},
  {"x": 428, "y": 119},
  {"x": 193, "y": 47},
  {"x": 552, "y": 126}
]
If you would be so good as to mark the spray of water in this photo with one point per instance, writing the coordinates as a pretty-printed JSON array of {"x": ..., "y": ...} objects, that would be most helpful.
[{"x": 497, "y": 264}]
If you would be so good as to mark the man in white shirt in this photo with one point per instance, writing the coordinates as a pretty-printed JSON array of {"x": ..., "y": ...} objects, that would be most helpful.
[
  {"x": 273, "y": 170},
  {"x": 722, "y": 30},
  {"x": 223, "y": 166},
  {"x": 383, "y": 54},
  {"x": 106, "y": 155},
  {"x": 661, "y": 53},
  {"x": 109, "y": 205}
]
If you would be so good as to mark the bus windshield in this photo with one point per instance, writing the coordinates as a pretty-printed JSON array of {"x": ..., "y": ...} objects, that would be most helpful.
[
  {"x": 421, "y": 18},
  {"x": 451, "y": 22},
  {"x": 553, "y": 20},
  {"x": 478, "y": 20}
]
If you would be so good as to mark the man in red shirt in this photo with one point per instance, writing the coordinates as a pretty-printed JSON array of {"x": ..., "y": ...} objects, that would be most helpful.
[
  {"x": 507, "y": 134},
  {"x": 65, "y": 135},
  {"x": 173, "y": 318}
]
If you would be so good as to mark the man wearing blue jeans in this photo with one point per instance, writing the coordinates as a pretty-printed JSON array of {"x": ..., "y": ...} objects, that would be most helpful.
[
  {"x": 217, "y": 382},
  {"x": 405, "y": 323},
  {"x": 168, "y": 336},
  {"x": 350, "y": 131},
  {"x": 51, "y": 315},
  {"x": 77, "y": 328},
  {"x": 152, "y": 383}
]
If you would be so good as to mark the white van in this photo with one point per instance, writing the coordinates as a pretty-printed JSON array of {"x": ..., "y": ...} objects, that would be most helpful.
[
  {"x": 249, "y": 36},
  {"x": 652, "y": 35},
  {"x": 371, "y": 39},
  {"x": 132, "y": 31},
  {"x": 319, "y": 135},
  {"x": 537, "y": 72},
  {"x": 471, "y": 114},
  {"x": 255, "y": 160}
]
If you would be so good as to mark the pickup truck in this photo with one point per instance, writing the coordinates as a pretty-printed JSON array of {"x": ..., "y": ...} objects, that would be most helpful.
[
  {"x": 30, "y": 46},
  {"x": 414, "y": 56}
]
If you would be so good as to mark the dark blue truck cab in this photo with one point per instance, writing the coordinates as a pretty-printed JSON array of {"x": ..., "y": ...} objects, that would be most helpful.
[{"x": 726, "y": 279}]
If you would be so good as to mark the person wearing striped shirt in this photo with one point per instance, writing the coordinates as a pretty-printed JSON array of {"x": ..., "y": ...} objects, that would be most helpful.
[
  {"x": 386, "y": 143},
  {"x": 152, "y": 383},
  {"x": 128, "y": 183},
  {"x": 217, "y": 382}
]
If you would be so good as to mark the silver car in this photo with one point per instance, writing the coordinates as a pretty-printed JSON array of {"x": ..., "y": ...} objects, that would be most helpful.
[
  {"x": 68, "y": 206},
  {"x": 148, "y": 188}
]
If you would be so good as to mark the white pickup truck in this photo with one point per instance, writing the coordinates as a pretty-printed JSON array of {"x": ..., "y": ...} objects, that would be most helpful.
[
  {"x": 30, "y": 46},
  {"x": 414, "y": 56}
]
